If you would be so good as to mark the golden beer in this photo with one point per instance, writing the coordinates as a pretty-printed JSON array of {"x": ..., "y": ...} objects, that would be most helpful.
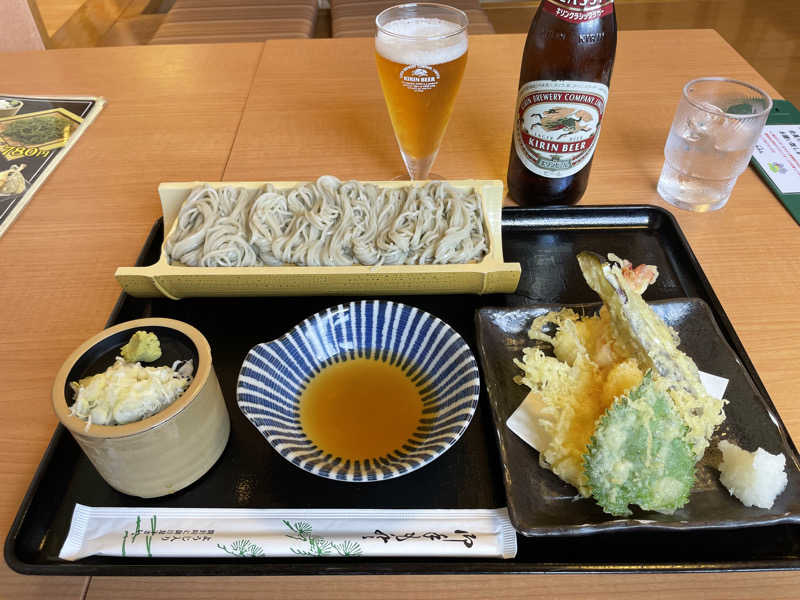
[{"x": 421, "y": 61}]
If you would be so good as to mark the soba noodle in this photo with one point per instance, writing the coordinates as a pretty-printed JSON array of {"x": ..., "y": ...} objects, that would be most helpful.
[{"x": 328, "y": 223}]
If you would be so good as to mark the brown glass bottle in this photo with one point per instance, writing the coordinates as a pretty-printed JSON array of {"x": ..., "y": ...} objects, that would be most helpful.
[{"x": 563, "y": 89}]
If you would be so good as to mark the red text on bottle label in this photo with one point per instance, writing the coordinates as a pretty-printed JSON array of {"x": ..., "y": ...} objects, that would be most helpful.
[
  {"x": 578, "y": 11},
  {"x": 557, "y": 124}
]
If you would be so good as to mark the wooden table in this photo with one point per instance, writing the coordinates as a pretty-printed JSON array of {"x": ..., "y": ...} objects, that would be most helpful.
[{"x": 313, "y": 107}]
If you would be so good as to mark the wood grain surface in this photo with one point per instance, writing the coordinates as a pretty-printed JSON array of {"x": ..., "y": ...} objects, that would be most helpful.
[
  {"x": 315, "y": 107},
  {"x": 171, "y": 113},
  {"x": 708, "y": 586}
]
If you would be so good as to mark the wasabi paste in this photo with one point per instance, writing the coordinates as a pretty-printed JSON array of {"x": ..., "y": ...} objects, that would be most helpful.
[{"x": 142, "y": 347}]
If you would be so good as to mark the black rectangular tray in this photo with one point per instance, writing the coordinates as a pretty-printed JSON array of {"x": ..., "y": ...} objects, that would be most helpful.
[{"x": 250, "y": 474}]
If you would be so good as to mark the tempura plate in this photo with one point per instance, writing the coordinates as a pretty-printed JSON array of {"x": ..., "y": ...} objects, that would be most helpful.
[{"x": 540, "y": 504}]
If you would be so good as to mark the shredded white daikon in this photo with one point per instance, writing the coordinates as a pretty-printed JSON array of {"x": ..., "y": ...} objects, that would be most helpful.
[{"x": 128, "y": 392}]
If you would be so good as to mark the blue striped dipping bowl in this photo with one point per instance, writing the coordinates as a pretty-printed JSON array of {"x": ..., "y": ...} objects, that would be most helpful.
[{"x": 275, "y": 374}]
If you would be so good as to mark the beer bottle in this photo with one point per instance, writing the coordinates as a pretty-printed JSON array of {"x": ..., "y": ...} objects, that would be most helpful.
[{"x": 563, "y": 88}]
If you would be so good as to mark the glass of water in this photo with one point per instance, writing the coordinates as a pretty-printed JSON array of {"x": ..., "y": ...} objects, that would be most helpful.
[{"x": 716, "y": 126}]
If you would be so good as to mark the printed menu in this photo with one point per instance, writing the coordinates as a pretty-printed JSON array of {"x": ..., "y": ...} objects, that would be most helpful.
[
  {"x": 35, "y": 134},
  {"x": 776, "y": 155},
  {"x": 779, "y": 150}
]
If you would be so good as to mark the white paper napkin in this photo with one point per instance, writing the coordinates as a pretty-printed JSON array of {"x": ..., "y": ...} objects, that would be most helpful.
[{"x": 524, "y": 423}]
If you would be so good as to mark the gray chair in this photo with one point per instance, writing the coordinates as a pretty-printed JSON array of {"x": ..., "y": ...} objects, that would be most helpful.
[
  {"x": 210, "y": 21},
  {"x": 356, "y": 18}
]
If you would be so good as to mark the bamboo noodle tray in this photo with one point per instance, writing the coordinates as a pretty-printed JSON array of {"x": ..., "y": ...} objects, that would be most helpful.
[{"x": 489, "y": 276}]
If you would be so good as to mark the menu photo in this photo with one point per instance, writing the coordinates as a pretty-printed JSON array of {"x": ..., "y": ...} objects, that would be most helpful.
[{"x": 35, "y": 134}]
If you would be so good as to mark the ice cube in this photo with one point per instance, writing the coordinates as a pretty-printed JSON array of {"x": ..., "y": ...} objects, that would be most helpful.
[{"x": 735, "y": 135}]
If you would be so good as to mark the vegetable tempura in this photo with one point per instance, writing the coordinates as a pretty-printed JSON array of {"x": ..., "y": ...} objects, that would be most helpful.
[{"x": 599, "y": 371}]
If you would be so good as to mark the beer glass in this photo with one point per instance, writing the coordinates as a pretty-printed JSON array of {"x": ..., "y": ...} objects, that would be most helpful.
[
  {"x": 715, "y": 129},
  {"x": 421, "y": 51}
]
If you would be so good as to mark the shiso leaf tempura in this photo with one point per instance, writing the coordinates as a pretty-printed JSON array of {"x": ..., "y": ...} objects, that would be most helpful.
[{"x": 639, "y": 455}]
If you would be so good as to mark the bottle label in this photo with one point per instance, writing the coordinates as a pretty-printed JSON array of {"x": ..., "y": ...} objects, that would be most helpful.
[
  {"x": 557, "y": 124},
  {"x": 578, "y": 11}
]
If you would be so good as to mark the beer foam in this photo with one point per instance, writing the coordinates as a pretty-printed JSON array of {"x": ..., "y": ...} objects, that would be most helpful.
[{"x": 413, "y": 48}]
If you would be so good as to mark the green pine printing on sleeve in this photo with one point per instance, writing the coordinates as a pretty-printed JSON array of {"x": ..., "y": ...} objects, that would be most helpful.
[{"x": 639, "y": 453}]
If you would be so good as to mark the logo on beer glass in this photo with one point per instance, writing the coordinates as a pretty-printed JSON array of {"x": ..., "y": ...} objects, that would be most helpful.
[{"x": 419, "y": 78}]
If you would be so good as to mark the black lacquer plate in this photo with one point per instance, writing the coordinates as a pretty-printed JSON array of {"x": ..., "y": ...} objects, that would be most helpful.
[{"x": 541, "y": 504}]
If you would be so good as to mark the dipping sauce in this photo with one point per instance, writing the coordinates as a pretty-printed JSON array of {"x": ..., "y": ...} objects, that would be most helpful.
[{"x": 360, "y": 408}]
